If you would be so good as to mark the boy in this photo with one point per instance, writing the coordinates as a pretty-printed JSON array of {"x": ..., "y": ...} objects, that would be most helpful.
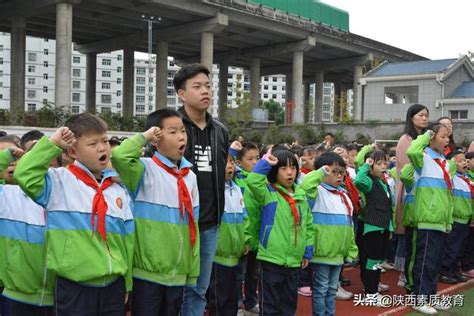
[
  {"x": 307, "y": 162},
  {"x": 332, "y": 216},
  {"x": 89, "y": 220},
  {"x": 166, "y": 211},
  {"x": 207, "y": 150},
  {"x": 467, "y": 258},
  {"x": 231, "y": 245}
]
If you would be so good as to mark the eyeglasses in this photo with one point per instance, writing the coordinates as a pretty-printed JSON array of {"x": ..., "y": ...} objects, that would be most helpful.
[{"x": 336, "y": 172}]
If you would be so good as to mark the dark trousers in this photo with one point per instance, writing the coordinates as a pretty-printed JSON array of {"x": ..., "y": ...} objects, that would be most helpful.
[
  {"x": 428, "y": 258},
  {"x": 305, "y": 277},
  {"x": 375, "y": 244},
  {"x": 360, "y": 245},
  {"x": 3, "y": 306},
  {"x": 152, "y": 299},
  {"x": 16, "y": 308},
  {"x": 223, "y": 292},
  {"x": 74, "y": 299},
  {"x": 410, "y": 246},
  {"x": 278, "y": 289},
  {"x": 467, "y": 257},
  {"x": 452, "y": 251},
  {"x": 250, "y": 266}
]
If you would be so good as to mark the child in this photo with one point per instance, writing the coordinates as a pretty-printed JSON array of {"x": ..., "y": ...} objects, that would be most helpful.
[
  {"x": 332, "y": 216},
  {"x": 375, "y": 231},
  {"x": 307, "y": 162},
  {"x": 467, "y": 257},
  {"x": 463, "y": 192},
  {"x": 432, "y": 215},
  {"x": 286, "y": 232},
  {"x": 166, "y": 213},
  {"x": 231, "y": 245},
  {"x": 89, "y": 220},
  {"x": 352, "y": 154}
]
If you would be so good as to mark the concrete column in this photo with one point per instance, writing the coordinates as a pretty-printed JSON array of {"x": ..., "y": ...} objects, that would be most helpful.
[
  {"x": 337, "y": 102},
  {"x": 306, "y": 102},
  {"x": 223, "y": 81},
  {"x": 298, "y": 109},
  {"x": 207, "y": 50},
  {"x": 161, "y": 92},
  {"x": 255, "y": 82},
  {"x": 91, "y": 82},
  {"x": 17, "y": 86},
  {"x": 357, "y": 97},
  {"x": 62, "y": 89},
  {"x": 128, "y": 81},
  {"x": 318, "y": 97},
  {"x": 289, "y": 96}
]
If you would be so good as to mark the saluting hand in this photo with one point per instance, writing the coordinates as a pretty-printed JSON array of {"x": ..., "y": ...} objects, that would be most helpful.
[{"x": 63, "y": 137}]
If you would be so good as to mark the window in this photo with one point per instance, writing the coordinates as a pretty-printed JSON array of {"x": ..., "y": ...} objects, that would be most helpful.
[
  {"x": 31, "y": 68},
  {"x": 75, "y": 109},
  {"x": 1, "y": 73},
  {"x": 140, "y": 108},
  {"x": 274, "y": 88},
  {"x": 105, "y": 110},
  {"x": 150, "y": 80},
  {"x": 45, "y": 89},
  {"x": 31, "y": 94},
  {"x": 1, "y": 48},
  {"x": 105, "y": 85},
  {"x": 106, "y": 62},
  {"x": 46, "y": 39},
  {"x": 119, "y": 80},
  {"x": 1, "y": 61},
  {"x": 274, "y": 79},
  {"x": 45, "y": 76},
  {"x": 1, "y": 96},
  {"x": 119, "y": 69},
  {"x": 170, "y": 92},
  {"x": 76, "y": 72},
  {"x": 45, "y": 101},
  {"x": 327, "y": 99},
  {"x": 140, "y": 99},
  {"x": 76, "y": 97},
  {"x": 106, "y": 98},
  {"x": 119, "y": 57},
  {"x": 45, "y": 64},
  {"x": 119, "y": 93},
  {"x": 274, "y": 96},
  {"x": 45, "y": 51},
  {"x": 31, "y": 56},
  {"x": 327, "y": 90},
  {"x": 76, "y": 84},
  {"x": 106, "y": 74},
  {"x": 458, "y": 115},
  {"x": 141, "y": 71},
  {"x": 31, "y": 81},
  {"x": 265, "y": 87},
  {"x": 401, "y": 95},
  {"x": 150, "y": 98},
  {"x": 76, "y": 60},
  {"x": 140, "y": 80},
  {"x": 170, "y": 83},
  {"x": 150, "y": 89},
  {"x": 265, "y": 96},
  {"x": 140, "y": 89},
  {"x": 119, "y": 105},
  {"x": 31, "y": 107},
  {"x": 265, "y": 78}
]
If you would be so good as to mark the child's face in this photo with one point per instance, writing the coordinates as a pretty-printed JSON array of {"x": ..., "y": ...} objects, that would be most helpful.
[
  {"x": 308, "y": 160},
  {"x": 197, "y": 93},
  {"x": 461, "y": 163},
  {"x": 378, "y": 168},
  {"x": 92, "y": 150},
  {"x": 7, "y": 174},
  {"x": 335, "y": 176},
  {"x": 440, "y": 140},
  {"x": 352, "y": 154},
  {"x": 343, "y": 153},
  {"x": 286, "y": 176},
  {"x": 249, "y": 159},
  {"x": 173, "y": 140},
  {"x": 229, "y": 168}
]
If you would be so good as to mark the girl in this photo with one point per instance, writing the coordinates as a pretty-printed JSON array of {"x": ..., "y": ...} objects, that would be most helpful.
[
  {"x": 448, "y": 122},
  {"x": 286, "y": 231}
]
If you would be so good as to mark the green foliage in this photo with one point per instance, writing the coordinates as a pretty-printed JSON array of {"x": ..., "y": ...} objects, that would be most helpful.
[
  {"x": 363, "y": 139},
  {"x": 4, "y": 117},
  {"x": 306, "y": 134},
  {"x": 276, "y": 111}
]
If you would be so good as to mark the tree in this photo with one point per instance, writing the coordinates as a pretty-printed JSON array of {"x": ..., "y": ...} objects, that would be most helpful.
[{"x": 276, "y": 112}]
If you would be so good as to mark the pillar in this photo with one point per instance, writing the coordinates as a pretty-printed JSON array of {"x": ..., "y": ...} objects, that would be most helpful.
[
  {"x": 357, "y": 97},
  {"x": 223, "y": 81},
  {"x": 161, "y": 92},
  {"x": 17, "y": 86},
  {"x": 318, "y": 96},
  {"x": 255, "y": 82},
  {"x": 288, "y": 97},
  {"x": 207, "y": 50},
  {"x": 297, "y": 87},
  {"x": 91, "y": 82},
  {"x": 128, "y": 81},
  {"x": 306, "y": 102},
  {"x": 62, "y": 87},
  {"x": 337, "y": 102}
]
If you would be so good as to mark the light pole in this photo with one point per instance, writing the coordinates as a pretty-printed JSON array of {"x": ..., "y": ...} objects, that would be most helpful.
[{"x": 150, "y": 19}]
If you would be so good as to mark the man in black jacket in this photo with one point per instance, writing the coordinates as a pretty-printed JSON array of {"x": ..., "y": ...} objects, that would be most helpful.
[{"x": 207, "y": 149}]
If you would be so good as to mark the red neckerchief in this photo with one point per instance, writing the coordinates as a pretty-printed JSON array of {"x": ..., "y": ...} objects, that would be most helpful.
[
  {"x": 447, "y": 178},
  {"x": 184, "y": 196},
  {"x": 294, "y": 210},
  {"x": 468, "y": 181},
  {"x": 343, "y": 198},
  {"x": 305, "y": 170},
  {"x": 353, "y": 193},
  {"x": 99, "y": 205}
]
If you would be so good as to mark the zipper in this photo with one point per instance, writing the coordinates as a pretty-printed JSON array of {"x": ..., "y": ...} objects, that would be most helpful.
[
  {"x": 110, "y": 265},
  {"x": 217, "y": 176}
]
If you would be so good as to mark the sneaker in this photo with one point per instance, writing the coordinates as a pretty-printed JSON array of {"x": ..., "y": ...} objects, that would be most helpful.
[
  {"x": 425, "y": 309},
  {"x": 254, "y": 310},
  {"x": 460, "y": 278},
  {"x": 441, "y": 307},
  {"x": 382, "y": 270},
  {"x": 388, "y": 266},
  {"x": 343, "y": 295},
  {"x": 240, "y": 312},
  {"x": 305, "y": 291},
  {"x": 447, "y": 279},
  {"x": 402, "y": 280},
  {"x": 383, "y": 287},
  {"x": 469, "y": 274}
]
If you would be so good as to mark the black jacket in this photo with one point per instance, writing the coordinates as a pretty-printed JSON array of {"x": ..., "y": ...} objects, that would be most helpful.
[
  {"x": 379, "y": 205},
  {"x": 219, "y": 148}
]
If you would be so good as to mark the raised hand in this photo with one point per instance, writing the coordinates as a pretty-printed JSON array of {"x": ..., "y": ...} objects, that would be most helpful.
[
  {"x": 326, "y": 169},
  {"x": 236, "y": 145},
  {"x": 272, "y": 160},
  {"x": 16, "y": 152},
  {"x": 63, "y": 137},
  {"x": 369, "y": 161},
  {"x": 153, "y": 135}
]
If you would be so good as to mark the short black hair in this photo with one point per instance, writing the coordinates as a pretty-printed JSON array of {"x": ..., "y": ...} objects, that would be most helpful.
[
  {"x": 329, "y": 134},
  {"x": 156, "y": 118},
  {"x": 86, "y": 123},
  {"x": 378, "y": 155},
  {"x": 3, "y": 133},
  {"x": 327, "y": 159},
  {"x": 350, "y": 147},
  {"x": 310, "y": 150},
  {"x": 187, "y": 72},
  {"x": 246, "y": 147},
  {"x": 11, "y": 139},
  {"x": 454, "y": 154},
  {"x": 284, "y": 157},
  {"x": 470, "y": 155},
  {"x": 31, "y": 135}
]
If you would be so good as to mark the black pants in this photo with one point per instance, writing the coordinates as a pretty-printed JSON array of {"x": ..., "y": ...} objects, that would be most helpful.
[
  {"x": 375, "y": 244},
  {"x": 410, "y": 246},
  {"x": 428, "y": 258},
  {"x": 278, "y": 289},
  {"x": 251, "y": 268},
  {"x": 223, "y": 292},
  {"x": 74, "y": 299},
  {"x": 16, "y": 308},
  {"x": 360, "y": 246},
  {"x": 152, "y": 299},
  {"x": 305, "y": 276},
  {"x": 467, "y": 257},
  {"x": 452, "y": 251}
]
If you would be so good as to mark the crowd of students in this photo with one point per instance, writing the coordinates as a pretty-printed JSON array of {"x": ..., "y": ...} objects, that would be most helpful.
[{"x": 178, "y": 219}]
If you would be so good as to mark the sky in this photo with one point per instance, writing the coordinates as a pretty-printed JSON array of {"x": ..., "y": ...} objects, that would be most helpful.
[{"x": 431, "y": 28}]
